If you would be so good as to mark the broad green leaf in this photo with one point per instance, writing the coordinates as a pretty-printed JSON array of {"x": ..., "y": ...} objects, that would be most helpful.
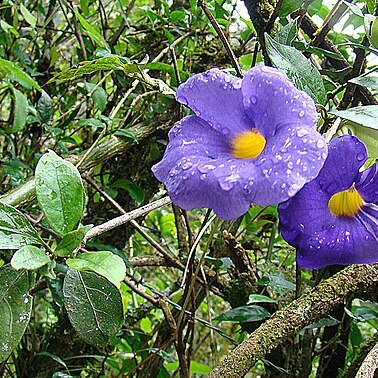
[
  {"x": 92, "y": 31},
  {"x": 258, "y": 298},
  {"x": 195, "y": 368},
  {"x": 367, "y": 135},
  {"x": 100, "y": 98},
  {"x": 362, "y": 122},
  {"x": 29, "y": 257},
  {"x": 15, "y": 230},
  {"x": 325, "y": 322},
  {"x": 287, "y": 33},
  {"x": 8, "y": 28},
  {"x": 45, "y": 109},
  {"x": 105, "y": 263},
  {"x": 303, "y": 74},
  {"x": 94, "y": 306},
  {"x": 244, "y": 314},
  {"x": 15, "y": 308},
  {"x": 20, "y": 111},
  {"x": 135, "y": 191},
  {"x": 29, "y": 18},
  {"x": 107, "y": 63},
  {"x": 371, "y": 29},
  {"x": 71, "y": 241},
  {"x": 15, "y": 73},
  {"x": 276, "y": 282},
  {"x": 368, "y": 81},
  {"x": 60, "y": 192}
]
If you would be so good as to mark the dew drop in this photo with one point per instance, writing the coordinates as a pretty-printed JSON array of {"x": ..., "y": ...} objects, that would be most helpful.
[
  {"x": 360, "y": 156},
  {"x": 301, "y": 133},
  {"x": 290, "y": 165},
  {"x": 225, "y": 130},
  {"x": 237, "y": 84},
  {"x": 253, "y": 100},
  {"x": 203, "y": 177},
  {"x": 301, "y": 113},
  {"x": 187, "y": 165},
  {"x": 320, "y": 143}
]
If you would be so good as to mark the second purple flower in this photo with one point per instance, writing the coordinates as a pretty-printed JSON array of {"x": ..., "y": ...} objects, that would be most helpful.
[{"x": 252, "y": 140}]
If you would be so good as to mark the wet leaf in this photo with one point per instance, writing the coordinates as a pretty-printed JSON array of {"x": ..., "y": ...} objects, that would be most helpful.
[
  {"x": 135, "y": 191},
  {"x": 15, "y": 230},
  {"x": 29, "y": 257},
  {"x": 71, "y": 241},
  {"x": 20, "y": 111},
  {"x": 107, "y": 63},
  {"x": 15, "y": 308},
  {"x": 363, "y": 115},
  {"x": 258, "y": 298},
  {"x": 244, "y": 314},
  {"x": 94, "y": 306},
  {"x": 105, "y": 263},
  {"x": 60, "y": 192},
  {"x": 15, "y": 73},
  {"x": 302, "y": 73},
  {"x": 45, "y": 109}
]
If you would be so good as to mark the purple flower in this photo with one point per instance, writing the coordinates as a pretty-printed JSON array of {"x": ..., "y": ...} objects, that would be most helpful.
[
  {"x": 252, "y": 140},
  {"x": 333, "y": 219}
]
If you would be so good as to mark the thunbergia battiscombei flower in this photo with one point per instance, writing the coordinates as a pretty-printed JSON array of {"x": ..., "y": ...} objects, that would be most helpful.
[
  {"x": 251, "y": 140},
  {"x": 333, "y": 219}
]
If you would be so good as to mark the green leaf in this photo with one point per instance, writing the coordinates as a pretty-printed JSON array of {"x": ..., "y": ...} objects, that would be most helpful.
[
  {"x": 135, "y": 191},
  {"x": 45, "y": 108},
  {"x": 60, "y": 192},
  {"x": 244, "y": 314},
  {"x": 71, "y": 241},
  {"x": 276, "y": 282},
  {"x": 29, "y": 257},
  {"x": 20, "y": 111},
  {"x": 29, "y": 18},
  {"x": 124, "y": 133},
  {"x": 14, "y": 73},
  {"x": 303, "y": 74},
  {"x": 100, "y": 98},
  {"x": 107, "y": 63},
  {"x": 105, "y": 263},
  {"x": 363, "y": 115},
  {"x": 287, "y": 34},
  {"x": 94, "y": 306},
  {"x": 92, "y": 31},
  {"x": 368, "y": 81},
  {"x": 258, "y": 298},
  {"x": 371, "y": 29},
  {"x": 15, "y": 308},
  {"x": 15, "y": 230},
  {"x": 325, "y": 322}
]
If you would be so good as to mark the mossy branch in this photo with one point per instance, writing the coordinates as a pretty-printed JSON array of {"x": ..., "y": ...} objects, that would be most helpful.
[
  {"x": 104, "y": 151},
  {"x": 286, "y": 323}
]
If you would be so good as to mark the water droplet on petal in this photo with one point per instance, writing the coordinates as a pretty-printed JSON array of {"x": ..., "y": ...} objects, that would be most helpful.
[
  {"x": 290, "y": 164},
  {"x": 302, "y": 132},
  {"x": 253, "y": 100},
  {"x": 225, "y": 130},
  {"x": 203, "y": 177},
  {"x": 360, "y": 156},
  {"x": 301, "y": 113},
  {"x": 237, "y": 84},
  {"x": 320, "y": 143}
]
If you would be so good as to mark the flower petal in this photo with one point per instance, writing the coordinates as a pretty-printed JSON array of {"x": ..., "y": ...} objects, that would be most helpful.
[
  {"x": 349, "y": 241},
  {"x": 291, "y": 158},
  {"x": 198, "y": 171},
  {"x": 216, "y": 97},
  {"x": 209, "y": 183},
  {"x": 346, "y": 155},
  {"x": 271, "y": 100},
  {"x": 191, "y": 136},
  {"x": 367, "y": 184},
  {"x": 322, "y": 239},
  {"x": 306, "y": 213}
]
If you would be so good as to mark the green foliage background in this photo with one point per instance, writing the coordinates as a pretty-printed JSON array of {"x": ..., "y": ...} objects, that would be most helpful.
[{"x": 87, "y": 97}]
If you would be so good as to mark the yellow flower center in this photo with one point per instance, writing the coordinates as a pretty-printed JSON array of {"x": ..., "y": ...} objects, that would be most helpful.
[
  {"x": 248, "y": 144},
  {"x": 346, "y": 203}
]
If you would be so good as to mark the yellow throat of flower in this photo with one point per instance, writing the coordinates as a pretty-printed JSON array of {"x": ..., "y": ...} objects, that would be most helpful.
[
  {"x": 248, "y": 144},
  {"x": 346, "y": 203}
]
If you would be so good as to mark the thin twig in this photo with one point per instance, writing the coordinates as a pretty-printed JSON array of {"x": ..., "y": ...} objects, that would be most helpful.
[
  {"x": 125, "y": 218},
  {"x": 222, "y": 37}
]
